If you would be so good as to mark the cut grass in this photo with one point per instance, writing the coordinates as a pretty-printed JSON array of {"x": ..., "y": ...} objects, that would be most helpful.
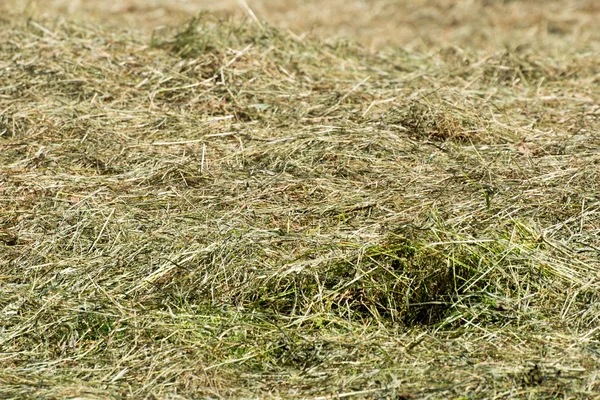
[{"x": 230, "y": 210}]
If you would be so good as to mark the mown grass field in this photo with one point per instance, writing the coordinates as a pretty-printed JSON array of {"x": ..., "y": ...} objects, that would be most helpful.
[{"x": 380, "y": 200}]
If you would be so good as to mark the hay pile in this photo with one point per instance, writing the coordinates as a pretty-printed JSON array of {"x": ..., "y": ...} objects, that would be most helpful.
[{"x": 231, "y": 210}]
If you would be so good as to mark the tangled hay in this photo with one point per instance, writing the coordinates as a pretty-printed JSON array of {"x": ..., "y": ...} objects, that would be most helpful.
[{"x": 227, "y": 209}]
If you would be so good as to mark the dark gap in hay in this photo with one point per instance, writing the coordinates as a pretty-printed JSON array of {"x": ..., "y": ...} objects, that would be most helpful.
[
  {"x": 399, "y": 281},
  {"x": 434, "y": 122},
  {"x": 292, "y": 350},
  {"x": 428, "y": 287},
  {"x": 510, "y": 68},
  {"x": 12, "y": 125},
  {"x": 7, "y": 238},
  {"x": 93, "y": 162}
]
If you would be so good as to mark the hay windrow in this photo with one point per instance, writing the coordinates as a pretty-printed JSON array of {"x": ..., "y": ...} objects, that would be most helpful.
[{"x": 223, "y": 209}]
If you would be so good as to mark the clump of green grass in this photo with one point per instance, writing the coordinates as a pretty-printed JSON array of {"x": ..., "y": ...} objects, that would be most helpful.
[{"x": 231, "y": 210}]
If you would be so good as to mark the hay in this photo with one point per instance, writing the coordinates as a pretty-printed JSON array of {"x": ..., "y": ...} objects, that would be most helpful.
[{"x": 226, "y": 209}]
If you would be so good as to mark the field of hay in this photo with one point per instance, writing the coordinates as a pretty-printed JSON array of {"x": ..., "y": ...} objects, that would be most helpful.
[{"x": 299, "y": 199}]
